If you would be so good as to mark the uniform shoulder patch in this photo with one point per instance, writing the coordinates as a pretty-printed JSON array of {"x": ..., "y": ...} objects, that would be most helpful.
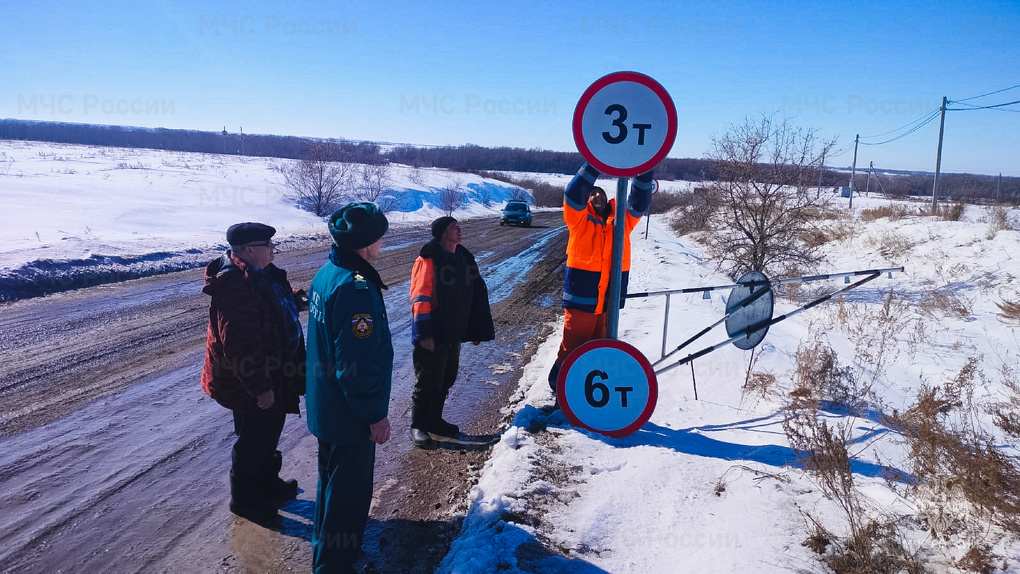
[
  {"x": 360, "y": 282},
  {"x": 361, "y": 325}
]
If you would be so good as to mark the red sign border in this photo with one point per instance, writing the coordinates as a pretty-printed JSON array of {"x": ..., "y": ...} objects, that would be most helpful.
[
  {"x": 613, "y": 78},
  {"x": 653, "y": 386}
]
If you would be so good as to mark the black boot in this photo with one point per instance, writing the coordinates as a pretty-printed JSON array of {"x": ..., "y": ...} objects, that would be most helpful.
[
  {"x": 440, "y": 427},
  {"x": 272, "y": 487},
  {"x": 420, "y": 415},
  {"x": 554, "y": 374},
  {"x": 246, "y": 502},
  {"x": 421, "y": 439}
]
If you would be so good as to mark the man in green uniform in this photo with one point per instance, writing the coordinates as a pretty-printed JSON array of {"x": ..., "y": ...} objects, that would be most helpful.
[{"x": 349, "y": 372}]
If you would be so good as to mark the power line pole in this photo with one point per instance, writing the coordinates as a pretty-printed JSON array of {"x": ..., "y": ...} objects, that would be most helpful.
[
  {"x": 938, "y": 160},
  {"x": 821, "y": 171},
  {"x": 853, "y": 170}
]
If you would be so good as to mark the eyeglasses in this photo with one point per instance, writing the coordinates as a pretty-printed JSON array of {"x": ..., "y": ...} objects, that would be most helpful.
[{"x": 266, "y": 244}]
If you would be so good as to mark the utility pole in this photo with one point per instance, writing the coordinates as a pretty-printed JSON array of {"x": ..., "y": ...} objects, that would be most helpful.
[
  {"x": 853, "y": 170},
  {"x": 938, "y": 161},
  {"x": 871, "y": 168},
  {"x": 821, "y": 171}
]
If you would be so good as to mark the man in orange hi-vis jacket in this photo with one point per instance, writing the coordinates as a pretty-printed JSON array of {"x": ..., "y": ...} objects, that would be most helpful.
[
  {"x": 449, "y": 306},
  {"x": 590, "y": 219}
]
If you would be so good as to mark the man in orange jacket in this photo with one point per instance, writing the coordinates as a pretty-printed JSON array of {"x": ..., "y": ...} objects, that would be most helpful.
[
  {"x": 449, "y": 306},
  {"x": 590, "y": 219}
]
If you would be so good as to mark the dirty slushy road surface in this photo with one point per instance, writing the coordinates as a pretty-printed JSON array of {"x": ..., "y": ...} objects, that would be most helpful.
[{"x": 113, "y": 459}]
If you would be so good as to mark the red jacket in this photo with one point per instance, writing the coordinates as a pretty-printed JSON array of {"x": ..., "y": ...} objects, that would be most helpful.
[{"x": 248, "y": 351}]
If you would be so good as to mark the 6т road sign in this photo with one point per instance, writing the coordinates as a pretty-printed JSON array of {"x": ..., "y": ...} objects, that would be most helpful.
[
  {"x": 607, "y": 386},
  {"x": 625, "y": 124}
]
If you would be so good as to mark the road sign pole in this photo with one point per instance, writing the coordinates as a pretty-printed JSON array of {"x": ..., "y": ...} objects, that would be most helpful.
[{"x": 616, "y": 270}]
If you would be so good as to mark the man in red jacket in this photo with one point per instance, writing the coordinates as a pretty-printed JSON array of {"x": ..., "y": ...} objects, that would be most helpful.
[{"x": 254, "y": 364}]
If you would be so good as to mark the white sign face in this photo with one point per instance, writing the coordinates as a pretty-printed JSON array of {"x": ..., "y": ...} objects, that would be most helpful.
[
  {"x": 625, "y": 124},
  {"x": 607, "y": 386}
]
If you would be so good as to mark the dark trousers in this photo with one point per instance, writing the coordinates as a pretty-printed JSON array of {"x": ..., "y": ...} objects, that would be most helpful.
[
  {"x": 436, "y": 372},
  {"x": 258, "y": 435},
  {"x": 342, "y": 501}
]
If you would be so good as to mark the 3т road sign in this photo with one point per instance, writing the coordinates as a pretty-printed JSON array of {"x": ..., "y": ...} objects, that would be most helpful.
[{"x": 624, "y": 124}]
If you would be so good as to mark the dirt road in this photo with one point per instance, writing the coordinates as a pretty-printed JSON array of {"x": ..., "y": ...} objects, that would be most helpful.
[{"x": 112, "y": 458}]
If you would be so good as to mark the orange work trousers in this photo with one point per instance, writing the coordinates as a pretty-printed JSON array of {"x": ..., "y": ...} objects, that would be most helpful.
[{"x": 579, "y": 327}]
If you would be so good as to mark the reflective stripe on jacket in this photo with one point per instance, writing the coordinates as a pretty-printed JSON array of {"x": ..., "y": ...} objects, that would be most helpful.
[
  {"x": 590, "y": 243},
  {"x": 456, "y": 311}
]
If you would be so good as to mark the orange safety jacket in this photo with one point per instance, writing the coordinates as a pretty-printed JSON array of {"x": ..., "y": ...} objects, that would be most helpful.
[
  {"x": 590, "y": 243},
  {"x": 449, "y": 302}
]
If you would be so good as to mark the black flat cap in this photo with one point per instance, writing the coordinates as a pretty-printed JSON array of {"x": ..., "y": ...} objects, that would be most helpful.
[{"x": 244, "y": 233}]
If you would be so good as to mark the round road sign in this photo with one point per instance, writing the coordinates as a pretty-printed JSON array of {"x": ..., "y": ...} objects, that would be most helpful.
[
  {"x": 607, "y": 386},
  {"x": 748, "y": 306},
  {"x": 624, "y": 124}
]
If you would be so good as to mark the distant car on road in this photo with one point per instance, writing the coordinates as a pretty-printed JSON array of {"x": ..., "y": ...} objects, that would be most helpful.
[{"x": 516, "y": 213}]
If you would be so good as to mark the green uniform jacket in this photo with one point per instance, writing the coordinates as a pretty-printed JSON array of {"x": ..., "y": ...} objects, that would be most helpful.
[{"x": 350, "y": 353}]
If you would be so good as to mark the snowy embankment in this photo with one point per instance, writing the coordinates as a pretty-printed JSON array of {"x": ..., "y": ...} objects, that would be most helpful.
[
  {"x": 712, "y": 484},
  {"x": 77, "y": 215}
]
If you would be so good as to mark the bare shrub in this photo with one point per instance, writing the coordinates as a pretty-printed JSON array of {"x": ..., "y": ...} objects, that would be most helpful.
[
  {"x": 892, "y": 245},
  {"x": 942, "y": 303},
  {"x": 692, "y": 211},
  {"x": 519, "y": 194},
  {"x": 951, "y": 211},
  {"x": 663, "y": 202},
  {"x": 321, "y": 180},
  {"x": 894, "y": 211},
  {"x": 998, "y": 220},
  {"x": 417, "y": 175},
  {"x": 818, "y": 372},
  {"x": 873, "y": 331},
  {"x": 5, "y": 163},
  {"x": 370, "y": 181},
  {"x": 1006, "y": 413},
  {"x": 842, "y": 229},
  {"x": 946, "y": 447},
  {"x": 871, "y": 545},
  {"x": 450, "y": 197},
  {"x": 543, "y": 194},
  {"x": 761, "y": 383}
]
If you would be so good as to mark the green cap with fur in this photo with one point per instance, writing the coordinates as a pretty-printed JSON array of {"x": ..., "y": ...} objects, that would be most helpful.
[{"x": 357, "y": 225}]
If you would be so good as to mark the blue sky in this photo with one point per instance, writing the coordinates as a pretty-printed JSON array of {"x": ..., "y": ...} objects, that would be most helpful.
[{"x": 511, "y": 73}]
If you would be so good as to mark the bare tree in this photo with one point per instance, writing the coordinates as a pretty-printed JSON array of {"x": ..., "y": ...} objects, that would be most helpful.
[
  {"x": 321, "y": 180},
  {"x": 449, "y": 197},
  {"x": 519, "y": 194},
  {"x": 371, "y": 181},
  {"x": 417, "y": 175},
  {"x": 768, "y": 202}
]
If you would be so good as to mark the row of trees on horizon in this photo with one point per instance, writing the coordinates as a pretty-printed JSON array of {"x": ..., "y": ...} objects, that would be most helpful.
[{"x": 473, "y": 158}]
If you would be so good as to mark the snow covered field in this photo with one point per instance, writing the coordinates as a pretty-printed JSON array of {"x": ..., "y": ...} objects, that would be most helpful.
[
  {"x": 707, "y": 485},
  {"x": 71, "y": 211},
  {"x": 713, "y": 485}
]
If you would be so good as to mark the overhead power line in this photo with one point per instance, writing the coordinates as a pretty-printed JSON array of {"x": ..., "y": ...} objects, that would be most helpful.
[
  {"x": 972, "y": 107},
  {"x": 936, "y": 110},
  {"x": 920, "y": 124},
  {"x": 989, "y": 93}
]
